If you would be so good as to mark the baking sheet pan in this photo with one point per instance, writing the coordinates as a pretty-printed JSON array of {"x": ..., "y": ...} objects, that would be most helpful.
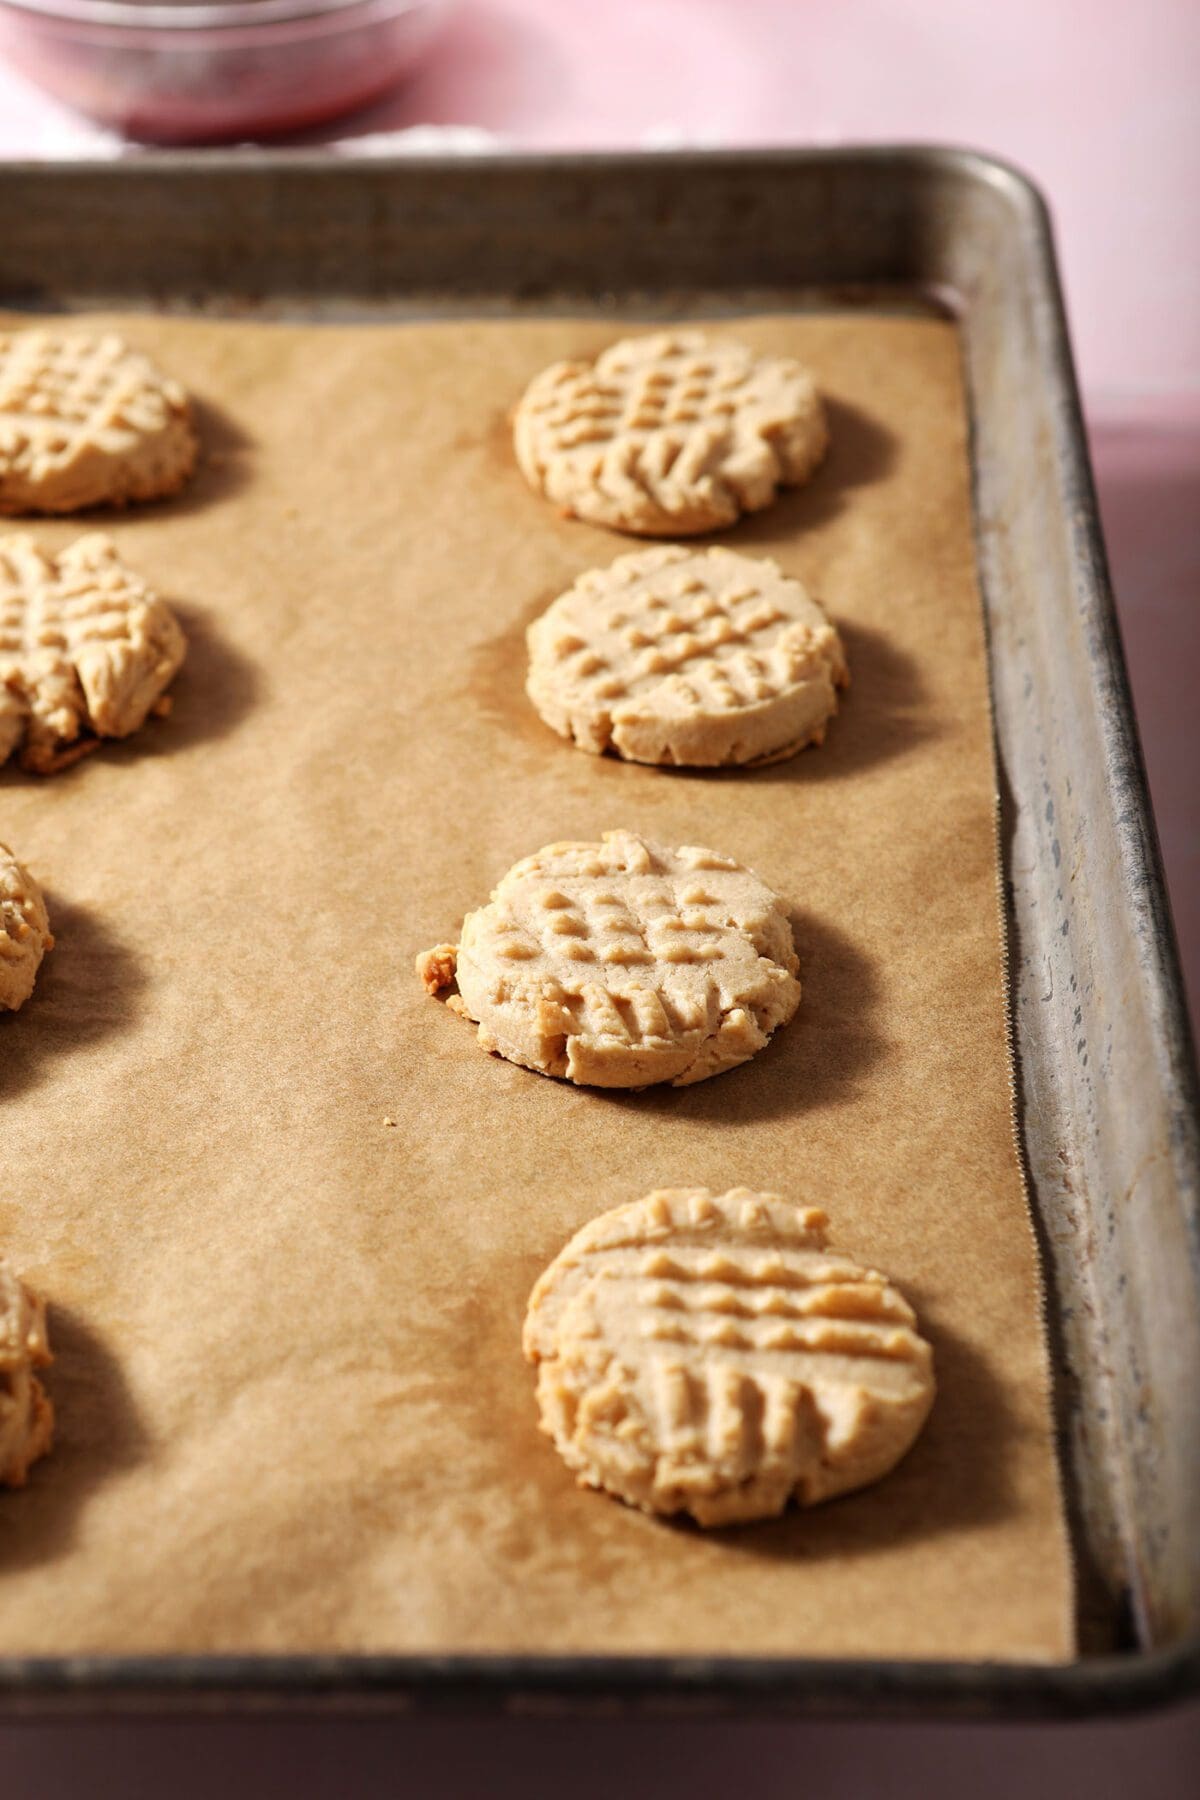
[{"x": 482, "y": 237}]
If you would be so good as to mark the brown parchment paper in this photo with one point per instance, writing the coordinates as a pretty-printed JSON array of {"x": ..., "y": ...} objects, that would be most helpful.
[{"x": 293, "y": 1413}]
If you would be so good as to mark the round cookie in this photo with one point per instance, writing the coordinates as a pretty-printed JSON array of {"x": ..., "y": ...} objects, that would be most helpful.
[
  {"x": 86, "y": 421},
  {"x": 669, "y": 435},
  {"x": 692, "y": 657},
  {"x": 26, "y": 1415},
  {"x": 86, "y": 650},
  {"x": 707, "y": 1353},
  {"x": 622, "y": 963},
  {"x": 25, "y": 934}
]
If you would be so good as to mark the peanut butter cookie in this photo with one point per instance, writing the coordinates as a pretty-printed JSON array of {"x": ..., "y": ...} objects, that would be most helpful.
[
  {"x": 86, "y": 650},
  {"x": 26, "y": 1415},
  {"x": 86, "y": 421},
  {"x": 622, "y": 963},
  {"x": 25, "y": 934},
  {"x": 669, "y": 435},
  {"x": 709, "y": 1354},
  {"x": 695, "y": 657}
]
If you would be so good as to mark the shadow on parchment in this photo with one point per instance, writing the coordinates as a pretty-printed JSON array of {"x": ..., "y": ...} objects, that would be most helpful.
[
  {"x": 495, "y": 684},
  {"x": 223, "y": 467},
  {"x": 89, "y": 988},
  {"x": 97, "y": 1434},
  {"x": 213, "y": 691},
  {"x": 217, "y": 685},
  {"x": 817, "y": 1060},
  {"x": 957, "y": 1475},
  {"x": 861, "y": 452},
  {"x": 883, "y": 713}
]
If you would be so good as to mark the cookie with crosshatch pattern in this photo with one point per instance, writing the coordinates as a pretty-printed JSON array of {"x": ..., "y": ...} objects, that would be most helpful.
[
  {"x": 86, "y": 650},
  {"x": 669, "y": 435},
  {"x": 710, "y": 1354},
  {"x": 25, "y": 934},
  {"x": 86, "y": 421},
  {"x": 693, "y": 657},
  {"x": 26, "y": 1415},
  {"x": 621, "y": 963}
]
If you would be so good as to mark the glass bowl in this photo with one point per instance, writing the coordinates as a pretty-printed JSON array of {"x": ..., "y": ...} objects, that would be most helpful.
[{"x": 188, "y": 74}]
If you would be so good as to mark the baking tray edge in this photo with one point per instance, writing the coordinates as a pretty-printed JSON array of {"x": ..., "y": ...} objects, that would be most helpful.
[{"x": 1094, "y": 1328}]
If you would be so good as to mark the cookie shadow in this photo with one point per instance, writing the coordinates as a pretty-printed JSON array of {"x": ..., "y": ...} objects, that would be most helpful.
[
  {"x": 97, "y": 1435},
  {"x": 495, "y": 682},
  {"x": 90, "y": 988},
  {"x": 958, "y": 1473},
  {"x": 222, "y": 469},
  {"x": 861, "y": 452},
  {"x": 491, "y": 436},
  {"x": 211, "y": 695},
  {"x": 881, "y": 715},
  {"x": 817, "y": 1060},
  {"x": 224, "y": 465}
]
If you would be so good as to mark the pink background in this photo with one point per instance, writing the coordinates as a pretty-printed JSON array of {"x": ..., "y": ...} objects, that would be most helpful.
[{"x": 1098, "y": 102}]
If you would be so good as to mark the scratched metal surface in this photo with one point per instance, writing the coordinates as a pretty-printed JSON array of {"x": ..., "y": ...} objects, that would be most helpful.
[{"x": 1107, "y": 1112}]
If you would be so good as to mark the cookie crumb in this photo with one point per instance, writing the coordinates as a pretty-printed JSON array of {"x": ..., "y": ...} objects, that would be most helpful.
[{"x": 436, "y": 967}]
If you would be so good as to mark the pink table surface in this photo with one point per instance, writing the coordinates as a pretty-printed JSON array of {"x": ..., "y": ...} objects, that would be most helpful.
[{"x": 1098, "y": 102}]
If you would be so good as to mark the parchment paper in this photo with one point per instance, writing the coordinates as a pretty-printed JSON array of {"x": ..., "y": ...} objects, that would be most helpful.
[{"x": 293, "y": 1413}]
